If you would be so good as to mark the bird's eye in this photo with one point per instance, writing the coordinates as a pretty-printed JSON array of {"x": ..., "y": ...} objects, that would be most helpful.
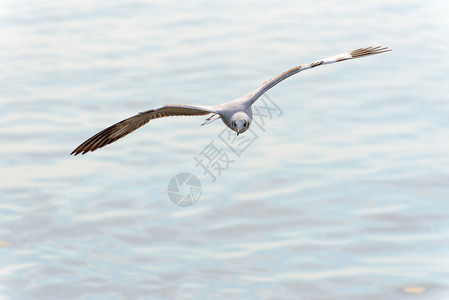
[
  {"x": 233, "y": 124},
  {"x": 245, "y": 124}
]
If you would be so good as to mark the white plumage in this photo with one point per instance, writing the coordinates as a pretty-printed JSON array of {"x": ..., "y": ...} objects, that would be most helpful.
[{"x": 236, "y": 114}]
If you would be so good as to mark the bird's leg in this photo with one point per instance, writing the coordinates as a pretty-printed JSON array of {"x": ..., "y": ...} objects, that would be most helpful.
[{"x": 211, "y": 119}]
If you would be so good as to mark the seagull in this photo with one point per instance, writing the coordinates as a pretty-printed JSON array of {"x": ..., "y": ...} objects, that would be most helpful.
[{"x": 236, "y": 114}]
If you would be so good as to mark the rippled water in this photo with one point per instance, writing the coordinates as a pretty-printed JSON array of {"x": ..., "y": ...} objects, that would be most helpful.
[{"x": 343, "y": 196}]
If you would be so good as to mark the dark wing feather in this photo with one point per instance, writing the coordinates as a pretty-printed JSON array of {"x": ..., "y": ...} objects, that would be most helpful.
[{"x": 122, "y": 128}]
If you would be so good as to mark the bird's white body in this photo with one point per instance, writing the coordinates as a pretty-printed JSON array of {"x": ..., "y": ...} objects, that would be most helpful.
[{"x": 236, "y": 114}]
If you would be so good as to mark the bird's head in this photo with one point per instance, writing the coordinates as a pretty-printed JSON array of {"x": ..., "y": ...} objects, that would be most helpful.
[{"x": 240, "y": 123}]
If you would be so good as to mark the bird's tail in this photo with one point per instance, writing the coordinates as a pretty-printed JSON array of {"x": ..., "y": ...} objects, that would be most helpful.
[{"x": 211, "y": 119}]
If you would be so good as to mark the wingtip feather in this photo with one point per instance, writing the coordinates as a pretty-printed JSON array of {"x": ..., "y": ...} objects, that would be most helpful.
[{"x": 368, "y": 51}]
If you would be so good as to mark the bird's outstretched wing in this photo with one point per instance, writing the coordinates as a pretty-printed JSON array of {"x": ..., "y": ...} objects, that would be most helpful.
[
  {"x": 337, "y": 58},
  {"x": 122, "y": 128}
]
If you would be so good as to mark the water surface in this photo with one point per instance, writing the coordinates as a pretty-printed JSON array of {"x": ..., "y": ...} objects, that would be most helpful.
[{"x": 343, "y": 196}]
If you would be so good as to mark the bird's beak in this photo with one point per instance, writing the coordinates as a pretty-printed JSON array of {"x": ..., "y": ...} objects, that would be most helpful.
[{"x": 238, "y": 132}]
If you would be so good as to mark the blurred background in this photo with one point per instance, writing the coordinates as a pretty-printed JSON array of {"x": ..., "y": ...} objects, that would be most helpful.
[{"x": 344, "y": 196}]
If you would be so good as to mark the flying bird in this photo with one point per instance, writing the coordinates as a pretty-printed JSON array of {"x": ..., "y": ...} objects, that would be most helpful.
[{"x": 236, "y": 114}]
